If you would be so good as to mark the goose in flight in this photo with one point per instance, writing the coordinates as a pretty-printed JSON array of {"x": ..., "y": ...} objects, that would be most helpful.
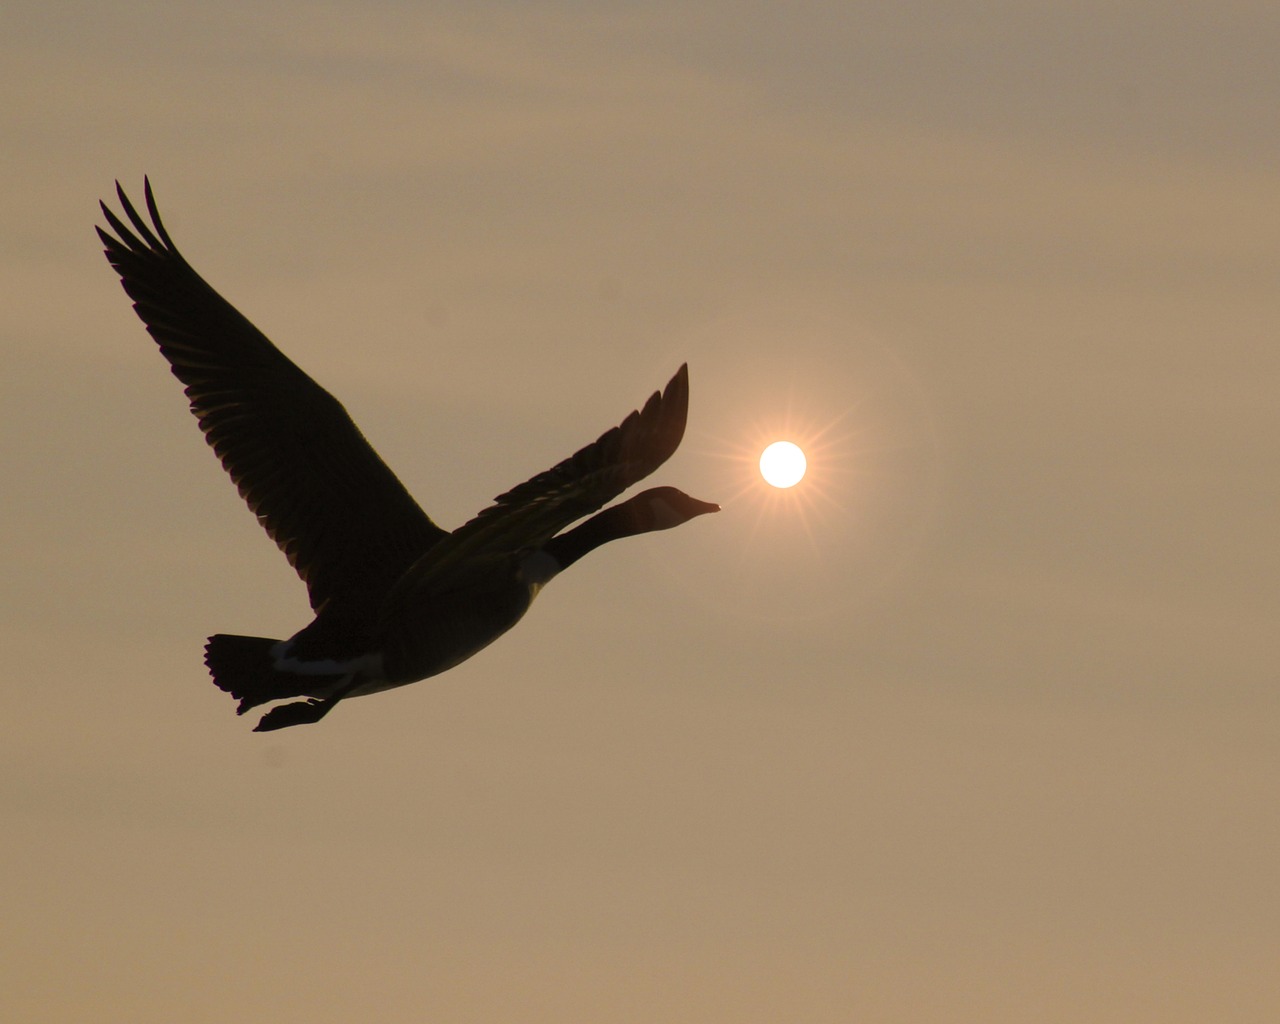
[{"x": 396, "y": 598}]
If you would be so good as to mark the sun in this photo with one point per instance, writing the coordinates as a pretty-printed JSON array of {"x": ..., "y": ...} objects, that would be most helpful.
[{"x": 783, "y": 464}]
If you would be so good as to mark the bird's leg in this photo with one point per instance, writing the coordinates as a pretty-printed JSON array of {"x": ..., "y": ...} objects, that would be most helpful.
[
  {"x": 304, "y": 712},
  {"x": 299, "y": 713}
]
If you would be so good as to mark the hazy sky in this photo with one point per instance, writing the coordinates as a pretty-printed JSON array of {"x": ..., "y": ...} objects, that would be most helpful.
[{"x": 980, "y": 725}]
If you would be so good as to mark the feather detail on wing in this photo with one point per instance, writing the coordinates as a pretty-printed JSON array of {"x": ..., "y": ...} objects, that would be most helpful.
[
  {"x": 538, "y": 509},
  {"x": 335, "y": 509}
]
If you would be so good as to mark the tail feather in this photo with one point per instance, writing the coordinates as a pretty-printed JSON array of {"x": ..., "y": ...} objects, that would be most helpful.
[{"x": 242, "y": 666}]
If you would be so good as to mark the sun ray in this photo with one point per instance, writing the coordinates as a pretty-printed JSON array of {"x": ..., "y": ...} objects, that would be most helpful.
[
  {"x": 812, "y": 373},
  {"x": 816, "y": 502}
]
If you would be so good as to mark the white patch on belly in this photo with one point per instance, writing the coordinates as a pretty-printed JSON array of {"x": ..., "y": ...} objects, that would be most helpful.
[{"x": 367, "y": 666}]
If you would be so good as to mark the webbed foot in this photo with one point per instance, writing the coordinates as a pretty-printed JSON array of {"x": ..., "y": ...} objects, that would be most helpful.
[{"x": 302, "y": 712}]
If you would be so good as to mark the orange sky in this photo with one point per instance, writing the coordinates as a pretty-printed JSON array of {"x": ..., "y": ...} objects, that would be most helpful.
[{"x": 979, "y": 725}]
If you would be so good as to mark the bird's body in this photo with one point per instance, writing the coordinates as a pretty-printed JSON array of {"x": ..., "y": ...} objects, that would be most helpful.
[{"x": 396, "y": 598}]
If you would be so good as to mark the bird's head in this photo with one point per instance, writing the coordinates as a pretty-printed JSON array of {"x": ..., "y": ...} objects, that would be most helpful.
[{"x": 661, "y": 508}]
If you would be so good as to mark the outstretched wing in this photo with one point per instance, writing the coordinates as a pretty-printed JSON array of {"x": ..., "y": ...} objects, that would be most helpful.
[
  {"x": 538, "y": 509},
  {"x": 340, "y": 516}
]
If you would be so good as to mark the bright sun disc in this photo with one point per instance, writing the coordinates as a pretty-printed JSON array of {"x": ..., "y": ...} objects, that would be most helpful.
[{"x": 782, "y": 464}]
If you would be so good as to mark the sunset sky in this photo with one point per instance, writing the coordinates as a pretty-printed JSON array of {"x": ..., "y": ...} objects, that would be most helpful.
[{"x": 979, "y": 724}]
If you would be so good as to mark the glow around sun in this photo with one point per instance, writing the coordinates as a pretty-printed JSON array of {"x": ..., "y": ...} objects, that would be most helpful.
[{"x": 783, "y": 464}]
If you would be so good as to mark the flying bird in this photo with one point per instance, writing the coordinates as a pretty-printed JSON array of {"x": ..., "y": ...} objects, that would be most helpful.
[{"x": 396, "y": 598}]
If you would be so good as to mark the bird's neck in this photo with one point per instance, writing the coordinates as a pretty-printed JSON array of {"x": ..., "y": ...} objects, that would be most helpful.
[{"x": 612, "y": 523}]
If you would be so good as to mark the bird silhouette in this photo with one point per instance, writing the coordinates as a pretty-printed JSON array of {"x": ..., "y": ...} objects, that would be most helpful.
[{"x": 396, "y": 598}]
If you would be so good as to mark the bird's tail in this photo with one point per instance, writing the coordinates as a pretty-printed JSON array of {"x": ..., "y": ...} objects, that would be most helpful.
[{"x": 244, "y": 668}]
